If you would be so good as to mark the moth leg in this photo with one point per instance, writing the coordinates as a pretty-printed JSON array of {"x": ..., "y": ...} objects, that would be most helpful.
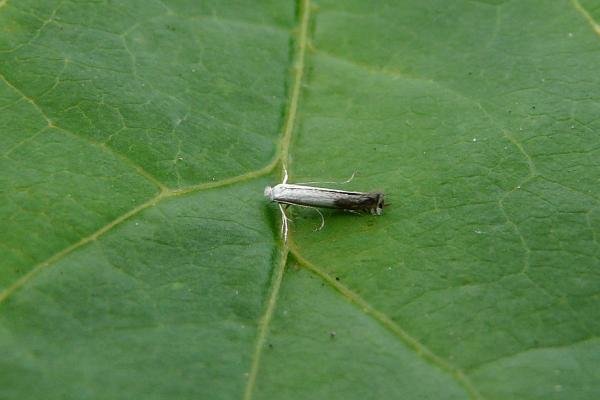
[
  {"x": 284, "y": 223},
  {"x": 285, "y": 208},
  {"x": 318, "y": 211},
  {"x": 322, "y": 220}
]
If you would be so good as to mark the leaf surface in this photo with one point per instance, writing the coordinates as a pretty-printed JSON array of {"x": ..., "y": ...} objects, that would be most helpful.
[{"x": 140, "y": 259}]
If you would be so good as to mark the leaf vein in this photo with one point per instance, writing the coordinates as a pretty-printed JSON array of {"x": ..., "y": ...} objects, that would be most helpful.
[
  {"x": 50, "y": 124},
  {"x": 595, "y": 26},
  {"x": 530, "y": 350},
  {"x": 283, "y": 156},
  {"x": 265, "y": 321},
  {"x": 164, "y": 194},
  {"x": 419, "y": 348},
  {"x": 39, "y": 30},
  {"x": 61, "y": 254}
]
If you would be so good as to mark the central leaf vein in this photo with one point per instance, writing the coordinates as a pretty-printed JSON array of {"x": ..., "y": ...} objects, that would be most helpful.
[{"x": 288, "y": 128}]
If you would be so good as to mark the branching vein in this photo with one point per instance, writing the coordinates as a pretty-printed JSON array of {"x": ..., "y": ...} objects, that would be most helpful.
[
  {"x": 388, "y": 323},
  {"x": 595, "y": 26},
  {"x": 284, "y": 147}
]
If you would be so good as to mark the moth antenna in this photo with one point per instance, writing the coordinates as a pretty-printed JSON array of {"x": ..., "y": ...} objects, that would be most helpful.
[
  {"x": 351, "y": 178},
  {"x": 285, "y": 175},
  {"x": 329, "y": 182}
]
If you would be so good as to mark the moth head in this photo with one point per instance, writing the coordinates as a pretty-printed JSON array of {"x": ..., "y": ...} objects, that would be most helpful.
[{"x": 269, "y": 193}]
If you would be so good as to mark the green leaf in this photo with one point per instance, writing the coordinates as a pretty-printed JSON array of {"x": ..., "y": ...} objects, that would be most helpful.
[{"x": 140, "y": 259}]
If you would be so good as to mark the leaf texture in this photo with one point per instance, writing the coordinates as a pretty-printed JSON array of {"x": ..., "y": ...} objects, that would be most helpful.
[{"x": 139, "y": 257}]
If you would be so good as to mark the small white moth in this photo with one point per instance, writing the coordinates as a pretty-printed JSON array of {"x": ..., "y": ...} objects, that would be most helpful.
[{"x": 311, "y": 196}]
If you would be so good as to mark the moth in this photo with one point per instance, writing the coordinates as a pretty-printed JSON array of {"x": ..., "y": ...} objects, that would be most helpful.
[{"x": 319, "y": 197}]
